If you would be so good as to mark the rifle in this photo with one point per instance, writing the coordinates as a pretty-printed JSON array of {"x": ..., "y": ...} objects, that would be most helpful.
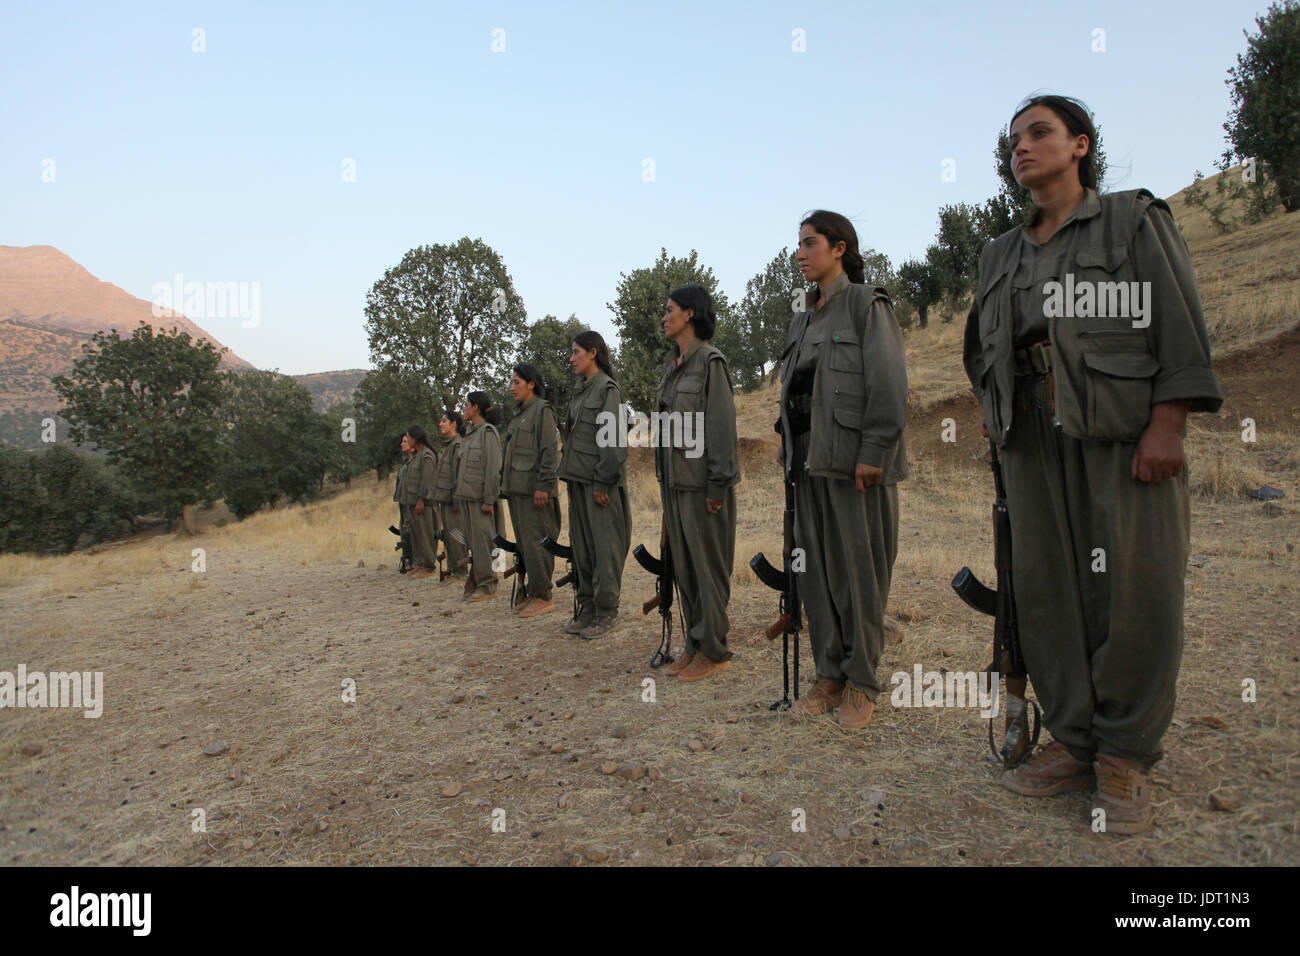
[
  {"x": 403, "y": 545},
  {"x": 790, "y": 609},
  {"x": 662, "y": 569},
  {"x": 1008, "y": 658},
  {"x": 571, "y": 577},
  {"x": 518, "y": 572}
]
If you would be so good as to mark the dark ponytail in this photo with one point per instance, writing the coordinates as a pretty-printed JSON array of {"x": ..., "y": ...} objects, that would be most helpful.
[
  {"x": 697, "y": 299},
  {"x": 837, "y": 228},
  {"x": 592, "y": 339},
  {"x": 530, "y": 373},
  {"x": 456, "y": 418},
  {"x": 491, "y": 414}
]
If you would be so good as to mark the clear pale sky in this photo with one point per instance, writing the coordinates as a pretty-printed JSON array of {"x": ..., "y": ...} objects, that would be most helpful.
[{"x": 226, "y": 165}]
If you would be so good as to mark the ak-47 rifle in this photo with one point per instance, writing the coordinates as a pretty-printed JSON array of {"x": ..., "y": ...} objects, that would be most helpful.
[
  {"x": 571, "y": 575},
  {"x": 1008, "y": 659},
  {"x": 790, "y": 622},
  {"x": 518, "y": 572},
  {"x": 403, "y": 545},
  {"x": 662, "y": 569}
]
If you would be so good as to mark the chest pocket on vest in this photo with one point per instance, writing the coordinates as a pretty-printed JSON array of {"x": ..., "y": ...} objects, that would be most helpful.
[
  {"x": 845, "y": 362},
  {"x": 523, "y": 448},
  {"x": 690, "y": 393},
  {"x": 993, "y": 297},
  {"x": 586, "y": 426}
]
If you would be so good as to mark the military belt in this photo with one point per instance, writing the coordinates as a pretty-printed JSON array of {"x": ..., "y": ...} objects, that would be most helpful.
[{"x": 1035, "y": 359}]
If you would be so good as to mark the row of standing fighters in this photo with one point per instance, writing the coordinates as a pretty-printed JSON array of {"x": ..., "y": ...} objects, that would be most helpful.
[{"x": 1088, "y": 412}]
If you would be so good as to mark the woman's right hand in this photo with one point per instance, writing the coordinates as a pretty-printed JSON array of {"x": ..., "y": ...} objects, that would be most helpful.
[{"x": 984, "y": 430}]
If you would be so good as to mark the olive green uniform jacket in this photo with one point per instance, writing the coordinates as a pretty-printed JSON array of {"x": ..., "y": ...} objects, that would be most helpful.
[
  {"x": 595, "y": 460},
  {"x": 452, "y": 520},
  {"x": 478, "y": 484},
  {"x": 530, "y": 460},
  {"x": 1098, "y": 557},
  {"x": 417, "y": 485},
  {"x": 858, "y": 411},
  {"x": 703, "y": 545}
]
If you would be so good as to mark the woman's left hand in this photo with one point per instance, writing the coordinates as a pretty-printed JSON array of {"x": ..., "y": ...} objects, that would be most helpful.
[
  {"x": 866, "y": 475},
  {"x": 602, "y": 499},
  {"x": 1159, "y": 453},
  {"x": 540, "y": 498},
  {"x": 713, "y": 504}
]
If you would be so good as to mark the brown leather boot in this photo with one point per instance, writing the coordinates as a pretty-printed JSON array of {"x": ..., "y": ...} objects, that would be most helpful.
[
  {"x": 822, "y": 699},
  {"x": 537, "y": 606},
  {"x": 855, "y": 709},
  {"x": 1053, "y": 769},
  {"x": 1124, "y": 792},
  {"x": 701, "y": 668},
  {"x": 679, "y": 665}
]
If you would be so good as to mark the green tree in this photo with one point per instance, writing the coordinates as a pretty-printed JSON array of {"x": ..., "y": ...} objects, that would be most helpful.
[
  {"x": 346, "y": 457},
  {"x": 389, "y": 401},
  {"x": 769, "y": 303},
  {"x": 877, "y": 270},
  {"x": 548, "y": 344},
  {"x": 152, "y": 402},
  {"x": 954, "y": 257},
  {"x": 449, "y": 315},
  {"x": 920, "y": 286},
  {"x": 1264, "y": 121},
  {"x": 277, "y": 445},
  {"x": 638, "y": 306},
  {"x": 54, "y": 499}
]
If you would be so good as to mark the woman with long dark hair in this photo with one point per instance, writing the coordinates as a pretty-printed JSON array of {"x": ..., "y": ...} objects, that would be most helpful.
[
  {"x": 595, "y": 467},
  {"x": 418, "y": 482},
  {"x": 843, "y": 408},
  {"x": 455, "y": 537},
  {"x": 528, "y": 475},
  {"x": 695, "y": 462},
  {"x": 1087, "y": 400},
  {"x": 477, "y": 488}
]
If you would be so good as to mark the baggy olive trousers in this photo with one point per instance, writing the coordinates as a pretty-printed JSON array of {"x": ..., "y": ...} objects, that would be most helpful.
[
  {"x": 424, "y": 546},
  {"x": 481, "y": 529},
  {"x": 530, "y": 524},
  {"x": 850, "y": 540},
  {"x": 1098, "y": 560},
  {"x": 600, "y": 538},
  {"x": 455, "y": 538},
  {"x": 704, "y": 551}
]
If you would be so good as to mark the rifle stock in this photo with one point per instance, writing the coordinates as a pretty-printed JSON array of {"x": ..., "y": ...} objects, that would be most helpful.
[
  {"x": 1018, "y": 738},
  {"x": 662, "y": 569}
]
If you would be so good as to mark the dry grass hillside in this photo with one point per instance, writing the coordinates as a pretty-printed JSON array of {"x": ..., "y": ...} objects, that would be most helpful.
[{"x": 223, "y": 686}]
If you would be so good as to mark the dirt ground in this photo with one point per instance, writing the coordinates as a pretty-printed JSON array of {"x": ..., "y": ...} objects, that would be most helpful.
[{"x": 465, "y": 717}]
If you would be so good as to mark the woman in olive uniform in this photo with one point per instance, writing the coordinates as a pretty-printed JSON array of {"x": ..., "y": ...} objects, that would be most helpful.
[
  {"x": 595, "y": 467},
  {"x": 843, "y": 407},
  {"x": 697, "y": 484},
  {"x": 477, "y": 488},
  {"x": 1088, "y": 399},
  {"x": 454, "y": 536},
  {"x": 529, "y": 476},
  {"x": 417, "y": 487},
  {"x": 403, "y": 505}
]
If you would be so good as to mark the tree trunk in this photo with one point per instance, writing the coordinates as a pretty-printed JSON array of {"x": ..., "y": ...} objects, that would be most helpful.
[
  {"x": 187, "y": 519},
  {"x": 924, "y": 314}
]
